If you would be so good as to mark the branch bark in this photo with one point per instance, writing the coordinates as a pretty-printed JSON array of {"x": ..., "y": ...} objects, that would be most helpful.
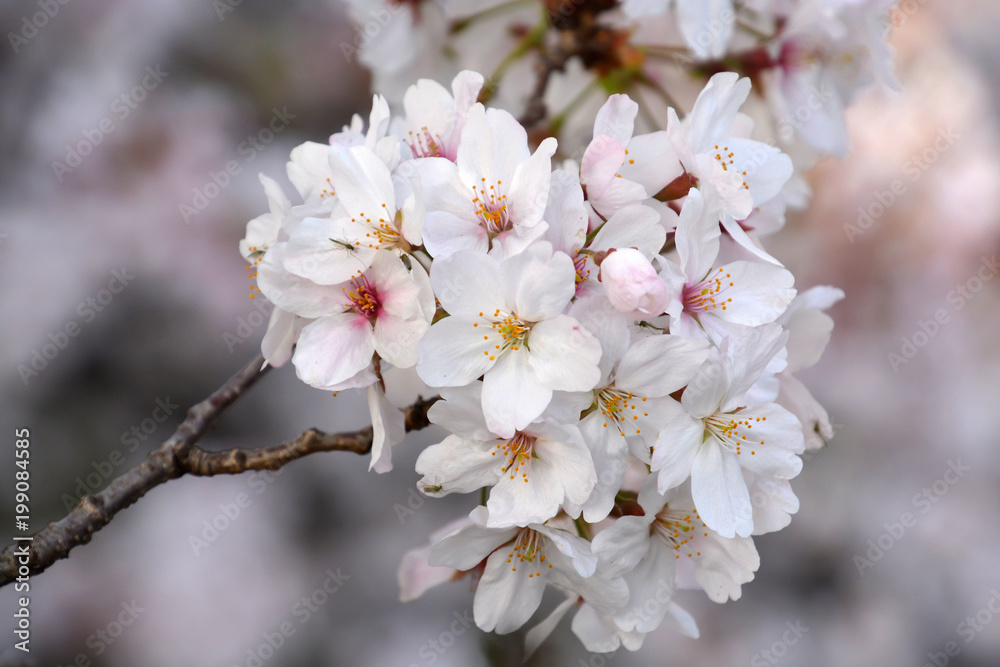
[{"x": 178, "y": 456}]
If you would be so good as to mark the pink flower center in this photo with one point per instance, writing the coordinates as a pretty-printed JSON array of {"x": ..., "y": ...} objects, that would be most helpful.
[
  {"x": 363, "y": 299},
  {"x": 707, "y": 294}
]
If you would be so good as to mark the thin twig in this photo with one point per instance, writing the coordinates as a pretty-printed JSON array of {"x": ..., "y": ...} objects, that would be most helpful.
[{"x": 177, "y": 456}]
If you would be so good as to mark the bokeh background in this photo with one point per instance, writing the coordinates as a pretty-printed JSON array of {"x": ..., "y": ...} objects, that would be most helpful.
[{"x": 183, "y": 324}]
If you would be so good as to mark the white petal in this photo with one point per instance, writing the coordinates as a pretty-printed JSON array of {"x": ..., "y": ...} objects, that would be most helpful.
[
  {"x": 720, "y": 493},
  {"x": 468, "y": 284},
  {"x": 564, "y": 354},
  {"x": 513, "y": 394},
  {"x": 538, "y": 284},
  {"x": 506, "y": 599},
  {"x": 388, "y": 430},
  {"x": 333, "y": 349},
  {"x": 458, "y": 465},
  {"x": 451, "y": 353},
  {"x": 659, "y": 365}
]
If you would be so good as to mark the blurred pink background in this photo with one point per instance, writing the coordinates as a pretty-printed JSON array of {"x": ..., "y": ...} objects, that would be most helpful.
[{"x": 213, "y": 81}]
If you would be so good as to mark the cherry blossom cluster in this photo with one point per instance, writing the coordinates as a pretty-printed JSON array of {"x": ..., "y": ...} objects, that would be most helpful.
[{"x": 614, "y": 350}]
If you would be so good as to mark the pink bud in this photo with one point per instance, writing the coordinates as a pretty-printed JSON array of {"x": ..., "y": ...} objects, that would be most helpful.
[{"x": 632, "y": 285}]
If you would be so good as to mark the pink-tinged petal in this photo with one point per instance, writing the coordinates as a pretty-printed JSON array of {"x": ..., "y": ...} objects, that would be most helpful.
[
  {"x": 750, "y": 353},
  {"x": 809, "y": 332},
  {"x": 707, "y": 26},
  {"x": 324, "y": 250},
  {"x": 601, "y": 161},
  {"x": 773, "y": 443},
  {"x": 505, "y": 598},
  {"x": 388, "y": 429},
  {"x": 564, "y": 355},
  {"x": 739, "y": 235},
  {"x": 333, "y": 349},
  {"x": 398, "y": 293},
  {"x": 714, "y": 112},
  {"x": 537, "y": 283},
  {"x": 529, "y": 188},
  {"x": 310, "y": 172},
  {"x": 513, "y": 394},
  {"x": 622, "y": 545},
  {"x": 609, "y": 452},
  {"x": 457, "y": 465},
  {"x": 396, "y": 339},
  {"x": 282, "y": 332},
  {"x": 446, "y": 234},
  {"x": 767, "y": 168},
  {"x": 576, "y": 550},
  {"x": 467, "y": 547},
  {"x": 430, "y": 116},
  {"x": 697, "y": 237},
  {"x": 632, "y": 285},
  {"x": 468, "y": 284},
  {"x": 566, "y": 213},
  {"x": 518, "y": 501},
  {"x": 443, "y": 189},
  {"x": 720, "y": 493},
  {"x": 773, "y": 503},
  {"x": 753, "y": 293},
  {"x": 493, "y": 145},
  {"x": 651, "y": 162},
  {"x": 633, "y": 226},
  {"x": 415, "y": 576},
  {"x": 710, "y": 386},
  {"x": 651, "y": 585},
  {"x": 597, "y": 633},
  {"x": 660, "y": 365},
  {"x": 616, "y": 118},
  {"x": 461, "y": 412},
  {"x": 676, "y": 448},
  {"x": 451, "y": 353}
]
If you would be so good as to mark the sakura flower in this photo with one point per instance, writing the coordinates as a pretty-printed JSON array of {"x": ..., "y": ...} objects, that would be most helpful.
[
  {"x": 506, "y": 324},
  {"x": 372, "y": 214},
  {"x": 670, "y": 542},
  {"x": 531, "y": 474},
  {"x": 708, "y": 297},
  {"x": 493, "y": 195},
  {"x": 712, "y": 434},
  {"x": 519, "y": 564},
  {"x": 710, "y": 143},
  {"x": 435, "y": 117},
  {"x": 629, "y": 402},
  {"x": 618, "y": 168},
  {"x": 384, "y": 310}
]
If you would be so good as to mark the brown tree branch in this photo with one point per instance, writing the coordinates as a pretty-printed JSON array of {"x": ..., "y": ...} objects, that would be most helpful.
[{"x": 177, "y": 456}]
